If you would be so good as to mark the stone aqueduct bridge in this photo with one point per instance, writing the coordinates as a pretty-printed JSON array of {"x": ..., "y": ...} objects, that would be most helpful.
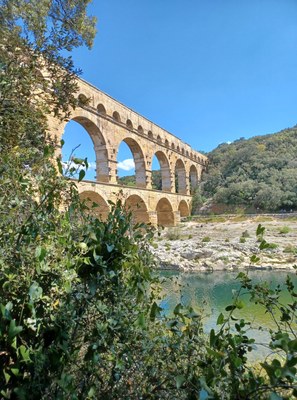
[{"x": 108, "y": 122}]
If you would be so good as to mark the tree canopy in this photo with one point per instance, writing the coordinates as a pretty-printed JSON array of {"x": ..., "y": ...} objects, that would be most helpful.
[{"x": 259, "y": 173}]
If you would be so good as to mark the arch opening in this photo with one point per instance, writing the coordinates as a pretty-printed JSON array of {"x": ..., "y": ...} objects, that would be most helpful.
[
  {"x": 136, "y": 205},
  {"x": 101, "y": 109},
  {"x": 116, "y": 116},
  {"x": 133, "y": 164},
  {"x": 183, "y": 209},
  {"x": 193, "y": 178},
  {"x": 180, "y": 177},
  {"x": 161, "y": 176},
  {"x": 129, "y": 124},
  {"x": 96, "y": 205},
  {"x": 83, "y": 139},
  {"x": 165, "y": 214}
]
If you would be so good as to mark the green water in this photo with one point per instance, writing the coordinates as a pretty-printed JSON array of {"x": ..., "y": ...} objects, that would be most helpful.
[{"x": 212, "y": 293}]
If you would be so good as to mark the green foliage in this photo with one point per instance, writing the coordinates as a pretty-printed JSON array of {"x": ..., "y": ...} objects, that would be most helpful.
[
  {"x": 284, "y": 230},
  {"x": 259, "y": 173},
  {"x": 206, "y": 239}
]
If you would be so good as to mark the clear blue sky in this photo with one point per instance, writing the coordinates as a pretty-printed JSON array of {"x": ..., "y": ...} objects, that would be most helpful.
[{"x": 209, "y": 71}]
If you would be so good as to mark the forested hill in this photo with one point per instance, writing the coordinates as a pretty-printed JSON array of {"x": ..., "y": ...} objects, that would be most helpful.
[{"x": 260, "y": 172}]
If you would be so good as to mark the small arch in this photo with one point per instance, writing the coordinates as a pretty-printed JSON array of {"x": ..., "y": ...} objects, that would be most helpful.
[
  {"x": 116, "y": 116},
  {"x": 165, "y": 171},
  {"x": 150, "y": 135},
  {"x": 191, "y": 155},
  {"x": 183, "y": 209},
  {"x": 140, "y": 129},
  {"x": 101, "y": 109},
  {"x": 193, "y": 178},
  {"x": 82, "y": 99},
  {"x": 187, "y": 153},
  {"x": 95, "y": 203},
  {"x": 180, "y": 177},
  {"x": 178, "y": 148},
  {"x": 183, "y": 151},
  {"x": 136, "y": 205},
  {"x": 129, "y": 124},
  {"x": 159, "y": 139},
  {"x": 166, "y": 143},
  {"x": 172, "y": 146},
  {"x": 165, "y": 214}
]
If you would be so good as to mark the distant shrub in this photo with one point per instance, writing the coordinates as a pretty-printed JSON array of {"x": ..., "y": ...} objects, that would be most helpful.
[
  {"x": 173, "y": 234},
  {"x": 245, "y": 234},
  {"x": 242, "y": 239},
  {"x": 284, "y": 230},
  {"x": 206, "y": 239}
]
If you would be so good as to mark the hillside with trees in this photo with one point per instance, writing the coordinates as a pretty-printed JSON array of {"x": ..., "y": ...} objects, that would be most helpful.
[{"x": 257, "y": 174}]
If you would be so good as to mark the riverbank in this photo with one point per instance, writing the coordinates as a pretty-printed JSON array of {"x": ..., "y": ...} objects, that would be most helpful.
[{"x": 221, "y": 243}]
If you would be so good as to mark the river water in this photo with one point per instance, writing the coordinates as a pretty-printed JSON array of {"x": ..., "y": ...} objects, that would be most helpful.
[{"x": 212, "y": 293}]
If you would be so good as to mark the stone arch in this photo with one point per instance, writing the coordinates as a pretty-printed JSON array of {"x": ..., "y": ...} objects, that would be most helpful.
[
  {"x": 193, "y": 176},
  {"x": 140, "y": 129},
  {"x": 136, "y": 205},
  {"x": 183, "y": 209},
  {"x": 187, "y": 153},
  {"x": 140, "y": 167},
  {"x": 102, "y": 170},
  {"x": 150, "y": 134},
  {"x": 101, "y": 109},
  {"x": 165, "y": 170},
  {"x": 129, "y": 124},
  {"x": 178, "y": 148},
  {"x": 180, "y": 177},
  {"x": 116, "y": 116},
  {"x": 165, "y": 214},
  {"x": 172, "y": 146},
  {"x": 159, "y": 139},
  {"x": 95, "y": 203},
  {"x": 183, "y": 151},
  {"x": 166, "y": 143}
]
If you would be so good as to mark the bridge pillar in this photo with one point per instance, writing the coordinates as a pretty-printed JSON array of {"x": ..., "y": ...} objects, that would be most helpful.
[
  {"x": 153, "y": 217},
  {"x": 112, "y": 164},
  {"x": 176, "y": 217},
  {"x": 148, "y": 178},
  {"x": 102, "y": 173}
]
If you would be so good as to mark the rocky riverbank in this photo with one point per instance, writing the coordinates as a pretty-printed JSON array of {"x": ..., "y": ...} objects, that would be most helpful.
[{"x": 221, "y": 243}]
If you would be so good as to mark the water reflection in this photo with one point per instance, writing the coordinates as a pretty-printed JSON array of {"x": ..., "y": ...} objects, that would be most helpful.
[{"x": 212, "y": 293}]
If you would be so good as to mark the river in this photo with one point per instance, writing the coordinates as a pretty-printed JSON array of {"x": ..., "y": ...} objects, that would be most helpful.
[{"x": 212, "y": 293}]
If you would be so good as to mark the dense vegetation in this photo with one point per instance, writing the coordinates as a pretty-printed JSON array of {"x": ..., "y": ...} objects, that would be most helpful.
[
  {"x": 259, "y": 173},
  {"x": 79, "y": 301}
]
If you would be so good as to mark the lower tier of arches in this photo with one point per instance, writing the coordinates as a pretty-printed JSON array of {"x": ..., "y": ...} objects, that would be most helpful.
[{"x": 148, "y": 206}]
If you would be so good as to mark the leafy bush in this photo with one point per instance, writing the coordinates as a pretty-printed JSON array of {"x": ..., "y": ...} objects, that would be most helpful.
[{"x": 284, "y": 230}]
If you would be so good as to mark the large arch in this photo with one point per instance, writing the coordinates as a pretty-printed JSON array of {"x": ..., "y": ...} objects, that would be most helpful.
[
  {"x": 95, "y": 203},
  {"x": 136, "y": 205},
  {"x": 165, "y": 170},
  {"x": 180, "y": 177},
  {"x": 193, "y": 178},
  {"x": 140, "y": 169},
  {"x": 102, "y": 170},
  {"x": 183, "y": 209},
  {"x": 165, "y": 214}
]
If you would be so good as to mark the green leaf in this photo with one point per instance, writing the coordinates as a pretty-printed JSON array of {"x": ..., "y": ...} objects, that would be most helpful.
[
  {"x": 275, "y": 396},
  {"x": 40, "y": 253},
  {"x": 220, "y": 319},
  {"x": 179, "y": 380},
  {"x": 212, "y": 338},
  {"x": 110, "y": 247},
  {"x": 14, "y": 329},
  {"x": 25, "y": 353},
  {"x": 81, "y": 175},
  {"x": 35, "y": 292}
]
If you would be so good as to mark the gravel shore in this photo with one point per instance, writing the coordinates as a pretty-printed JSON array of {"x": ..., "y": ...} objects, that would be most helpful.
[{"x": 221, "y": 243}]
